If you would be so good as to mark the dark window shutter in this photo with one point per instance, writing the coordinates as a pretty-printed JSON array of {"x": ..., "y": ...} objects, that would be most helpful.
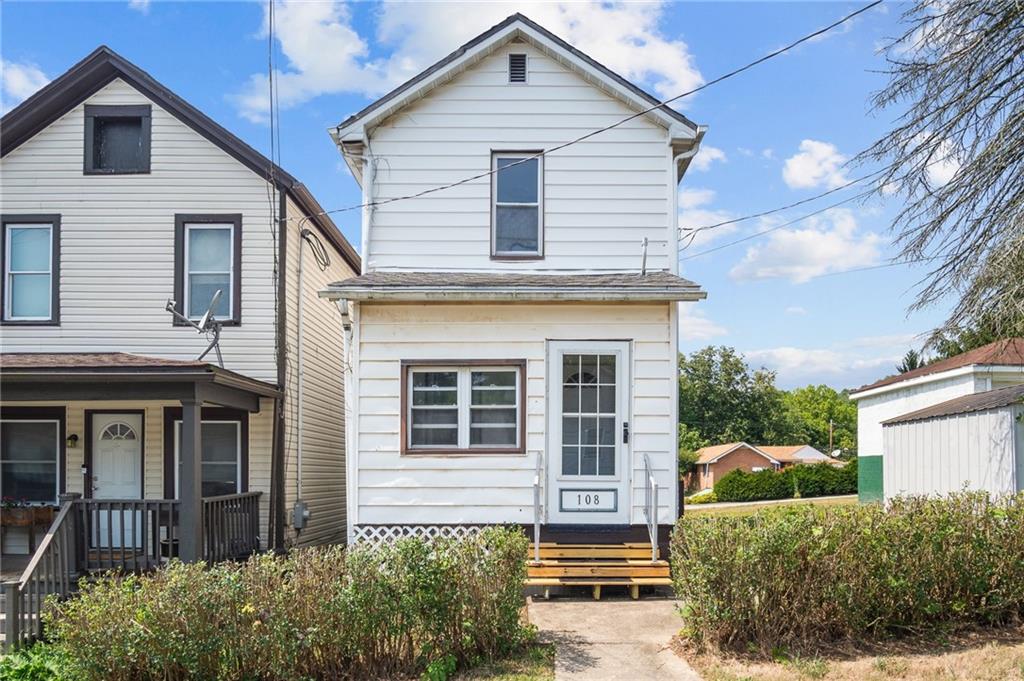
[{"x": 517, "y": 68}]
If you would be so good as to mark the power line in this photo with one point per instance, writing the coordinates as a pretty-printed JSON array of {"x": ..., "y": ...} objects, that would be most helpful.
[
  {"x": 871, "y": 267},
  {"x": 586, "y": 136},
  {"x": 776, "y": 227}
]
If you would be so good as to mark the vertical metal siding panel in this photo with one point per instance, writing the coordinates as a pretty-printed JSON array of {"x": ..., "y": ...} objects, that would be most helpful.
[{"x": 117, "y": 236}]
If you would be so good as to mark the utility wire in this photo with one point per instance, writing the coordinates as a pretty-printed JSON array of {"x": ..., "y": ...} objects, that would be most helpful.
[{"x": 592, "y": 133}]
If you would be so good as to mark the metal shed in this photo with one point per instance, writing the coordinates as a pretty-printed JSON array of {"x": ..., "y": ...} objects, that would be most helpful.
[{"x": 974, "y": 442}]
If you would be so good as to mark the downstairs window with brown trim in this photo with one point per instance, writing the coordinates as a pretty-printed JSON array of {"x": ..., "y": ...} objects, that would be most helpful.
[{"x": 475, "y": 407}]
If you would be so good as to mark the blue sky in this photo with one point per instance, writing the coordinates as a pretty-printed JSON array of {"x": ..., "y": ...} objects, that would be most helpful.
[{"x": 778, "y": 133}]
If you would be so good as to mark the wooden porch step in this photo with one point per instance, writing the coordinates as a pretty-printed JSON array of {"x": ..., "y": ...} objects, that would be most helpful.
[
  {"x": 551, "y": 550},
  {"x": 632, "y": 583},
  {"x": 600, "y": 571}
]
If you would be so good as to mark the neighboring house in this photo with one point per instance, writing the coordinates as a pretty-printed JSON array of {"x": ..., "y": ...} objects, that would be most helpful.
[
  {"x": 715, "y": 461},
  {"x": 117, "y": 196},
  {"x": 508, "y": 328},
  {"x": 974, "y": 442},
  {"x": 996, "y": 365}
]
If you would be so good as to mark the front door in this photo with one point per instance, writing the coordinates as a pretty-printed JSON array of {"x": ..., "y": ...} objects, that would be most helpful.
[
  {"x": 588, "y": 469},
  {"x": 117, "y": 474}
]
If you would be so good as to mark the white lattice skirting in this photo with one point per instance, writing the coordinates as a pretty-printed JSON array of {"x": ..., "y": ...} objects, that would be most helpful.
[{"x": 382, "y": 533}]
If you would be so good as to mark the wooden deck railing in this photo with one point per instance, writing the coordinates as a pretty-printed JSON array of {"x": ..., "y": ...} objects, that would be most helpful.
[
  {"x": 127, "y": 535},
  {"x": 231, "y": 526}
]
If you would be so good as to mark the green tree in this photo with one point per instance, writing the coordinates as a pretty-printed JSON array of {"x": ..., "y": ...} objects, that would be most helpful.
[
  {"x": 812, "y": 408},
  {"x": 912, "y": 360},
  {"x": 724, "y": 401},
  {"x": 690, "y": 440}
]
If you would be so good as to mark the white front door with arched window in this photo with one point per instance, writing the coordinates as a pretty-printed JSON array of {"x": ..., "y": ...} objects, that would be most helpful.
[{"x": 116, "y": 474}]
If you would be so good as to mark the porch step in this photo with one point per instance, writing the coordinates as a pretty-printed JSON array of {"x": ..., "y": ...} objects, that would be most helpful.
[{"x": 596, "y": 566}]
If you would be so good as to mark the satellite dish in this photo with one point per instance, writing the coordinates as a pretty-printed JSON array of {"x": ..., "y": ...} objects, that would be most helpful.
[
  {"x": 208, "y": 315},
  {"x": 207, "y": 324}
]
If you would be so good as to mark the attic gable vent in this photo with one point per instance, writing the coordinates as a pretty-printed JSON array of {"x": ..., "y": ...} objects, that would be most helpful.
[{"x": 517, "y": 68}]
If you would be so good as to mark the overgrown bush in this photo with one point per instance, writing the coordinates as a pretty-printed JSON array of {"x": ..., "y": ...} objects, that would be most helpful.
[
  {"x": 373, "y": 611},
  {"x": 739, "y": 485},
  {"x": 804, "y": 480},
  {"x": 707, "y": 497},
  {"x": 804, "y": 576},
  {"x": 39, "y": 662}
]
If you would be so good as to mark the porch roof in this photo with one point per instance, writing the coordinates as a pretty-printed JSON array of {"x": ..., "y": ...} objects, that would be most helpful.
[
  {"x": 120, "y": 375},
  {"x": 482, "y": 286}
]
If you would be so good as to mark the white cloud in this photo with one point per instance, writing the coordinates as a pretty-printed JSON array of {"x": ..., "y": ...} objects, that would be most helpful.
[
  {"x": 943, "y": 164},
  {"x": 830, "y": 243},
  {"x": 695, "y": 212},
  {"x": 695, "y": 326},
  {"x": 796, "y": 310},
  {"x": 845, "y": 364},
  {"x": 706, "y": 156},
  {"x": 139, "y": 5},
  {"x": 817, "y": 164},
  {"x": 768, "y": 154},
  {"x": 326, "y": 54},
  {"x": 19, "y": 81}
]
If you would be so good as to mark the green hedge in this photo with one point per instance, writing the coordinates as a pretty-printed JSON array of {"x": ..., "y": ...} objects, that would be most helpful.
[
  {"x": 408, "y": 608},
  {"x": 815, "y": 480},
  {"x": 801, "y": 577}
]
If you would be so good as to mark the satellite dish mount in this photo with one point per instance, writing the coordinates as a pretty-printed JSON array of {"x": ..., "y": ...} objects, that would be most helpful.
[{"x": 208, "y": 325}]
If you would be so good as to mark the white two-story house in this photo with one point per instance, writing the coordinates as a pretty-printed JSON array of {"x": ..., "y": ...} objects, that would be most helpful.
[
  {"x": 511, "y": 342},
  {"x": 117, "y": 197}
]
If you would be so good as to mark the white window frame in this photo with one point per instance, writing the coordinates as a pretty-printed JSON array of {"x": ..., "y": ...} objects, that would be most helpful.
[
  {"x": 238, "y": 454},
  {"x": 517, "y": 155},
  {"x": 9, "y": 274},
  {"x": 56, "y": 460},
  {"x": 187, "y": 270},
  {"x": 463, "y": 405}
]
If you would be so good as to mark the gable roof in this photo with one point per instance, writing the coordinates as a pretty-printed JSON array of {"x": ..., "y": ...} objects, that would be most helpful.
[
  {"x": 514, "y": 26},
  {"x": 990, "y": 399},
  {"x": 103, "y": 66},
  {"x": 715, "y": 452},
  {"x": 1007, "y": 352}
]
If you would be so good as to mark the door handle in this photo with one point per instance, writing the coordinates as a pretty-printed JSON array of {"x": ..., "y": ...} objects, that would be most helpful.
[{"x": 625, "y": 432}]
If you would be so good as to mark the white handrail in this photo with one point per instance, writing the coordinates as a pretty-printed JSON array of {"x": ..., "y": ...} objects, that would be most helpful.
[
  {"x": 536, "y": 509},
  {"x": 651, "y": 506}
]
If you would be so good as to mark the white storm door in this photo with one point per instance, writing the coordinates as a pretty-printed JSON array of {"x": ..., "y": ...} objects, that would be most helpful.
[
  {"x": 117, "y": 474},
  {"x": 588, "y": 470}
]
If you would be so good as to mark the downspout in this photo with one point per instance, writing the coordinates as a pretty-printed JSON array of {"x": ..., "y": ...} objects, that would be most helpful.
[{"x": 299, "y": 362}]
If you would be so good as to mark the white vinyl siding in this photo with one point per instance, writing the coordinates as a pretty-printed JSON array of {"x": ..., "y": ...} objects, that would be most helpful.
[
  {"x": 117, "y": 240},
  {"x": 468, "y": 488},
  {"x": 324, "y": 404},
  {"x": 601, "y": 197}
]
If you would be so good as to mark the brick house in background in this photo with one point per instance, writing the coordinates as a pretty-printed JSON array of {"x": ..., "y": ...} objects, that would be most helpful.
[{"x": 714, "y": 462}]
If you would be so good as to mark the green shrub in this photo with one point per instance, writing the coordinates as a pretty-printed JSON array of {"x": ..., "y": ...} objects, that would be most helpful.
[
  {"x": 702, "y": 498},
  {"x": 804, "y": 576},
  {"x": 39, "y": 662},
  {"x": 392, "y": 610},
  {"x": 824, "y": 479},
  {"x": 739, "y": 485}
]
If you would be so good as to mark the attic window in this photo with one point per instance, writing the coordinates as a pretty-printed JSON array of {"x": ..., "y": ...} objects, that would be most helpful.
[
  {"x": 117, "y": 139},
  {"x": 517, "y": 68}
]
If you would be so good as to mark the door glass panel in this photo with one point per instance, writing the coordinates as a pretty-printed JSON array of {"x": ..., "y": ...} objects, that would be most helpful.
[{"x": 588, "y": 415}]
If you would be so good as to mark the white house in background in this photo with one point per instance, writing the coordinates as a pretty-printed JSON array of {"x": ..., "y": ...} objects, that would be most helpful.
[
  {"x": 975, "y": 441},
  {"x": 993, "y": 366},
  {"x": 118, "y": 195},
  {"x": 508, "y": 325}
]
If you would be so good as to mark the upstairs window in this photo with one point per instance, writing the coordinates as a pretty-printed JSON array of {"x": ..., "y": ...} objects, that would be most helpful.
[
  {"x": 31, "y": 266},
  {"x": 117, "y": 139},
  {"x": 207, "y": 260},
  {"x": 517, "y": 68},
  {"x": 463, "y": 409},
  {"x": 517, "y": 205}
]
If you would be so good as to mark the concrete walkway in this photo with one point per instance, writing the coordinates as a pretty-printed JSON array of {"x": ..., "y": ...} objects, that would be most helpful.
[{"x": 612, "y": 639}]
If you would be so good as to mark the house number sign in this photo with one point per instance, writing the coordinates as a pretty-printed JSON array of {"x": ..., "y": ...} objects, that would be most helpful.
[{"x": 588, "y": 500}]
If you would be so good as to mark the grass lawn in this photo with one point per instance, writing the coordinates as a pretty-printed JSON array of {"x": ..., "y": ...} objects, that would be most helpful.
[
  {"x": 536, "y": 663},
  {"x": 977, "y": 656},
  {"x": 755, "y": 506}
]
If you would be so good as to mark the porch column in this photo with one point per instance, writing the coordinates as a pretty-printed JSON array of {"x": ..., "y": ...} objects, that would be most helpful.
[{"x": 190, "y": 529}]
